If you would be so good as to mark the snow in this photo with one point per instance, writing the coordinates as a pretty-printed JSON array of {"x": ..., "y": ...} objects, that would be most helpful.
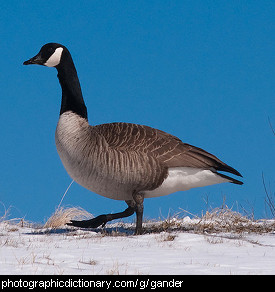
[{"x": 67, "y": 251}]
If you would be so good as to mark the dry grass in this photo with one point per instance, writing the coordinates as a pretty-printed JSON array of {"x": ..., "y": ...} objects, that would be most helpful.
[
  {"x": 6, "y": 213},
  {"x": 225, "y": 220},
  {"x": 61, "y": 216},
  {"x": 17, "y": 221},
  {"x": 218, "y": 220}
]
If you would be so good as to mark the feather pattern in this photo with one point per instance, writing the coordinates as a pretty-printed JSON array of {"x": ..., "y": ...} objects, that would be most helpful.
[{"x": 169, "y": 150}]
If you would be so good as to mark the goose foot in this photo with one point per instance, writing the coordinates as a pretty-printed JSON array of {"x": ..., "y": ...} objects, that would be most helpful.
[
  {"x": 92, "y": 223},
  {"x": 101, "y": 220}
]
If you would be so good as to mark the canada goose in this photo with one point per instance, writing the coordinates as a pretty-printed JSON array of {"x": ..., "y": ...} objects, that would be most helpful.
[{"x": 122, "y": 161}]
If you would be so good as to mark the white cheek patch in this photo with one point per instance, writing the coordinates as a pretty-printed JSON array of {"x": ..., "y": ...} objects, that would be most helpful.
[{"x": 54, "y": 59}]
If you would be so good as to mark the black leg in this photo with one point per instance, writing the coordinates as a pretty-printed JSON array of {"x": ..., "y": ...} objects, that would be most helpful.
[
  {"x": 138, "y": 198},
  {"x": 102, "y": 219},
  {"x": 139, "y": 213}
]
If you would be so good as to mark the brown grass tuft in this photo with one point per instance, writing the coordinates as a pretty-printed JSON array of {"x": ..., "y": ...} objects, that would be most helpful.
[
  {"x": 218, "y": 220},
  {"x": 226, "y": 220},
  {"x": 61, "y": 216}
]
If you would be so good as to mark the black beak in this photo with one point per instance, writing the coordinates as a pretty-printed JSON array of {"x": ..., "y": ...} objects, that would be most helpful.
[{"x": 35, "y": 60}]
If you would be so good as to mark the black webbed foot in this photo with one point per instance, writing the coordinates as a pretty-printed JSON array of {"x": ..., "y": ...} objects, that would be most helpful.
[
  {"x": 101, "y": 220},
  {"x": 91, "y": 223}
]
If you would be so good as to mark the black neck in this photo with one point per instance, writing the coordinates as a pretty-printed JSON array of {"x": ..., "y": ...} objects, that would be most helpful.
[{"x": 72, "y": 99}]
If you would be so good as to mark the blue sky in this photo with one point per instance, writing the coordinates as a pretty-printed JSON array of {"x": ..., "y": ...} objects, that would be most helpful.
[{"x": 200, "y": 70}]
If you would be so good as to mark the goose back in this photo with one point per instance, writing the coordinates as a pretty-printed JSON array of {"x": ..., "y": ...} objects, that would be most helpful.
[{"x": 167, "y": 149}]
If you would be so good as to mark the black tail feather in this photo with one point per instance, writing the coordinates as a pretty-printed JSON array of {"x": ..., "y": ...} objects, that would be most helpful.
[
  {"x": 229, "y": 169},
  {"x": 232, "y": 180}
]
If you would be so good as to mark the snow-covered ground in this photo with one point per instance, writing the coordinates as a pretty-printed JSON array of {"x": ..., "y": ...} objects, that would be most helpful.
[{"x": 30, "y": 250}]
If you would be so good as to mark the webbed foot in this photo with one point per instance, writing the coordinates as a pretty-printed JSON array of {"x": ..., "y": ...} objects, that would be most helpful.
[{"x": 91, "y": 223}]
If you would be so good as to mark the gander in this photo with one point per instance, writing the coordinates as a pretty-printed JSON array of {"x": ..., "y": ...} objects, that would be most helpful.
[{"x": 166, "y": 284}]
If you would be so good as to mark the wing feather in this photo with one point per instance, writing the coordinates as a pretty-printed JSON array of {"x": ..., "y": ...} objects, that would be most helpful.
[{"x": 167, "y": 149}]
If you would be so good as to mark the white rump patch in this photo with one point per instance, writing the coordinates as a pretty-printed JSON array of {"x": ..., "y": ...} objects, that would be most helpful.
[
  {"x": 54, "y": 59},
  {"x": 183, "y": 179}
]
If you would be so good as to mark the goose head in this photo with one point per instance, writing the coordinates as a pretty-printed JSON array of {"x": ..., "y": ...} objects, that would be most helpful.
[{"x": 49, "y": 55}]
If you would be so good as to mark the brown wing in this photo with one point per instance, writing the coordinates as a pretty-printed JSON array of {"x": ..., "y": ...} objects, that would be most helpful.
[{"x": 169, "y": 150}]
